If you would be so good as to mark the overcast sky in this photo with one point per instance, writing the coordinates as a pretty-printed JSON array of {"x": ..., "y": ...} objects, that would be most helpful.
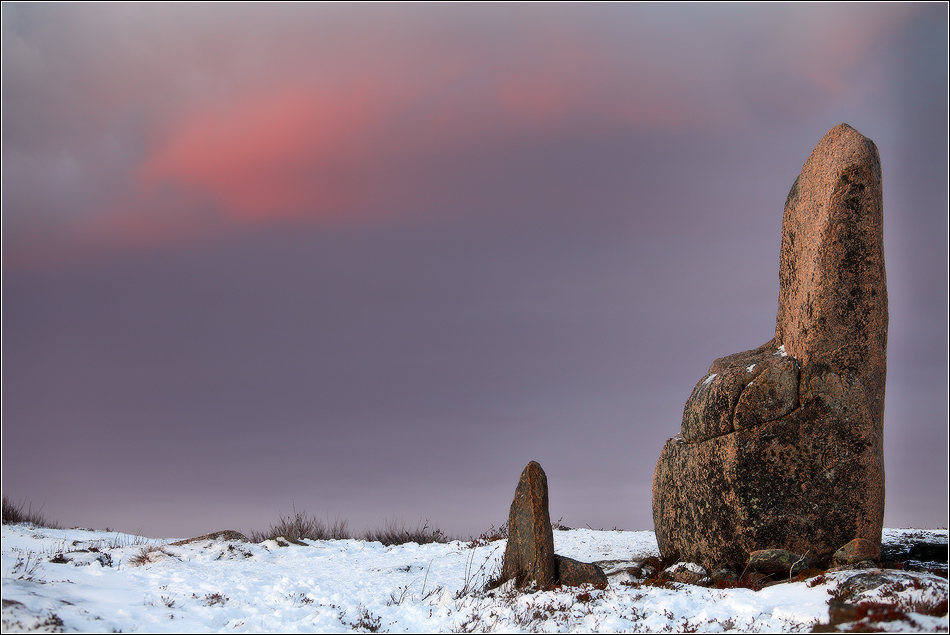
[{"x": 367, "y": 261}]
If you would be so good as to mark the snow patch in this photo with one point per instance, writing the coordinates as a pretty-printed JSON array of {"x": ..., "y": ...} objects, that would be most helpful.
[
  {"x": 352, "y": 585},
  {"x": 686, "y": 566}
]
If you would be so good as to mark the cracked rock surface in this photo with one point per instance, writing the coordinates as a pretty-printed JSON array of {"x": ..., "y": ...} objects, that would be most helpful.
[{"x": 781, "y": 447}]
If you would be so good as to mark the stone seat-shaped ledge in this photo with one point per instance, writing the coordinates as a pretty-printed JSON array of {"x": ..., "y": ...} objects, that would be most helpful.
[{"x": 740, "y": 391}]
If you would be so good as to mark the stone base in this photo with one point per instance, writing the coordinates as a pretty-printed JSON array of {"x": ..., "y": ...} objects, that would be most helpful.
[{"x": 807, "y": 482}]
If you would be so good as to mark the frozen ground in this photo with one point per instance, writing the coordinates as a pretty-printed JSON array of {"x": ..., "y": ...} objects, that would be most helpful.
[{"x": 81, "y": 580}]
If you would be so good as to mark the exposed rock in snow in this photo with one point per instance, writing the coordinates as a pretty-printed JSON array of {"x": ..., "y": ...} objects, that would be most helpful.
[{"x": 792, "y": 457}]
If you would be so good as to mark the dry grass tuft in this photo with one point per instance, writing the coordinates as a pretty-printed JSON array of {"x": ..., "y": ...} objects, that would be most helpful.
[
  {"x": 302, "y": 526},
  {"x": 149, "y": 555},
  {"x": 397, "y": 533},
  {"x": 14, "y": 514}
]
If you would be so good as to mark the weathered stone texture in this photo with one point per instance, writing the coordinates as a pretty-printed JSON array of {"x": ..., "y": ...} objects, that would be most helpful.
[
  {"x": 772, "y": 394},
  {"x": 832, "y": 286},
  {"x": 782, "y": 446},
  {"x": 529, "y": 555}
]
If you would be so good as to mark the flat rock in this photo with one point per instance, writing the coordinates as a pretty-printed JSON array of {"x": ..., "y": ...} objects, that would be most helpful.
[
  {"x": 858, "y": 550},
  {"x": 853, "y": 587},
  {"x": 687, "y": 573},
  {"x": 226, "y": 535},
  {"x": 725, "y": 576},
  {"x": 929, "y": 552},
  {"x": 570, "y": 572},
  {"x": 777, "y": 561}
]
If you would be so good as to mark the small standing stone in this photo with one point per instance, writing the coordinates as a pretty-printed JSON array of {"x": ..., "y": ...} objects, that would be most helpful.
[{"x": 529, "y": 555}]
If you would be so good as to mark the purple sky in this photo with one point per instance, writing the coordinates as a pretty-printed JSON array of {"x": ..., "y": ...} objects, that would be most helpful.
[{"x": 369, "y": 260}]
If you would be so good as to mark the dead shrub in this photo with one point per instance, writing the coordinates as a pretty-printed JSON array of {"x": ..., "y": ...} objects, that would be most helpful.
[
  {"x": 149, "y": 555},
  {"x": 818, "y": 579},
  {"x": 14, "y": 514},
  {"x": 490, "y": 536},
  {"x": 302, "y": 526},
  {"x": 367, "y": 622},
  {"x": 397, "y": 533}
]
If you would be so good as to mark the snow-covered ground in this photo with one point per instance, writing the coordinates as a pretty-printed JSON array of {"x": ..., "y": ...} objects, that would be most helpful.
[{"x": 81, "y": 580}]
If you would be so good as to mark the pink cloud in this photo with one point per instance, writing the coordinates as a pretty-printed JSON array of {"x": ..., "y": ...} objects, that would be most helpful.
[
  {"x": 327, "y": 151},
  {"x": 333, "y": 113},
  {"x": 272, "y": 155}
]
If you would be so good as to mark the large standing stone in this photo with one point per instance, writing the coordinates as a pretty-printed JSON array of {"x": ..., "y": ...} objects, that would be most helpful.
[
  {"x": 529, "y": 555},
  {"x": 782, "y": 446},
  {"x": 832, "y": 305}
]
